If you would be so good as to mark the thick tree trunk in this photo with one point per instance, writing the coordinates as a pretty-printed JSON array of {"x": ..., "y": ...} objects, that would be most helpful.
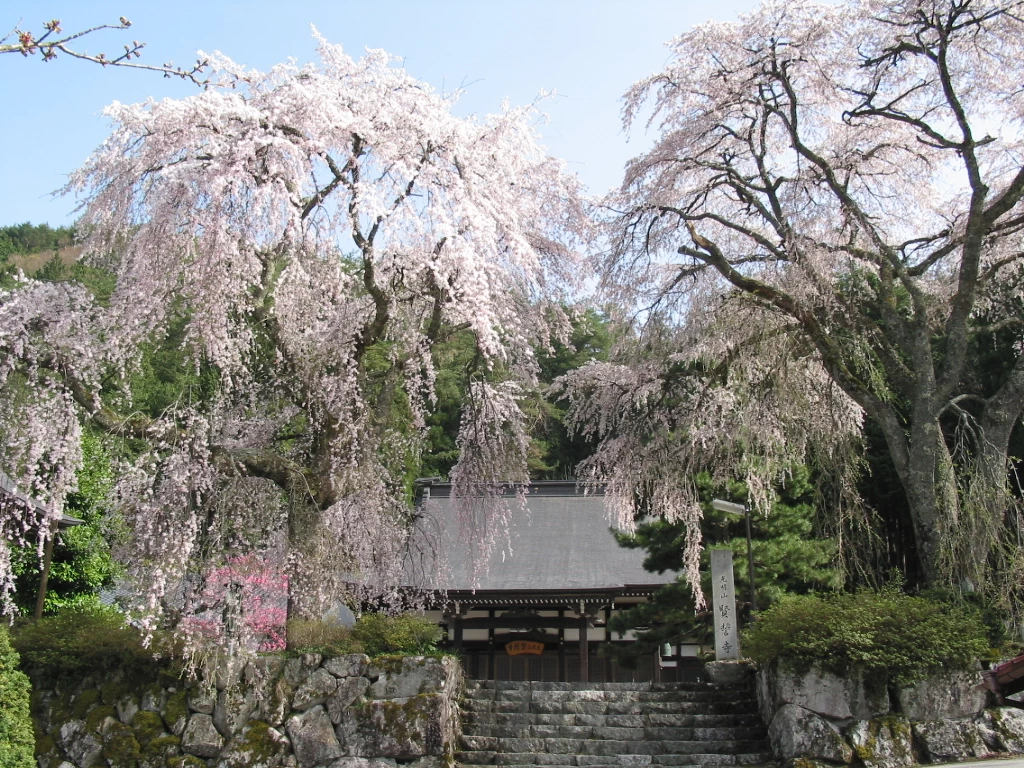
[{"x": 930, "y": 484}]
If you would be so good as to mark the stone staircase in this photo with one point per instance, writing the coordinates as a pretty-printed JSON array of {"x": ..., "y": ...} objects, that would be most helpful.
[{"x": 612, "y": 724}]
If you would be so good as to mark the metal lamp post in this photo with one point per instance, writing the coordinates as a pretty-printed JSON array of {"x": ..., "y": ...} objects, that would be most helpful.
[{"x": 732, "y": 508}]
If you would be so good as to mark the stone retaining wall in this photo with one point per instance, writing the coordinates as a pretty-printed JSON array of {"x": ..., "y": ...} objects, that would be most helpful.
[
  {"x": 816, "y": 716},
  {"x": 270, "y": 712}
]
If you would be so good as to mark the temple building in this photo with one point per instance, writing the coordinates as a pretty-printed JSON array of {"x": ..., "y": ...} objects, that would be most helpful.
[{"x": 539, "y": 607}]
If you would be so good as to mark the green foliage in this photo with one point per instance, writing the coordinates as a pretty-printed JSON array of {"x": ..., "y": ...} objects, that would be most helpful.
[
  {"x": 554, "y": 453},
  {"x": 374, "y": 634},
  {"x": 82, "y": 563},
  {"x": 788, "y": 558},
  {"x": 329, "y": 638},
  {"x": 17, "y": 739},
  {"x": 89, "y": 639},
  {"x": 886, "y": 633},
  {"x": 29, "y": 238},
  {"x": 381, "y": 634},
  {"x": 99, "y": 282},
  {"x": 167, "y": 377}
]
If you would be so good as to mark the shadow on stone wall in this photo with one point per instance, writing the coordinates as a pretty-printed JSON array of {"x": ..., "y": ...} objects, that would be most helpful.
[
  {"x": 816, "y": 717},
  {"x": 269, "y": 712}
]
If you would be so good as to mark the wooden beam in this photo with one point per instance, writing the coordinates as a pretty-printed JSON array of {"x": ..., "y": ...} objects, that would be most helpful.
[{"x": 525, "y": 622}]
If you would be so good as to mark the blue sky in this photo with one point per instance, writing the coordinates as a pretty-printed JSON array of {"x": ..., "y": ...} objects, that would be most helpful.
[{"x": 588, "y": 51}]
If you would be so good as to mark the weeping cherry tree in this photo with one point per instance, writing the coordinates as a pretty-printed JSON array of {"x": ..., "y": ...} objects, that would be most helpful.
[
  {"x": 316, "y": 230},
  {"x": 828, "y": 228}
]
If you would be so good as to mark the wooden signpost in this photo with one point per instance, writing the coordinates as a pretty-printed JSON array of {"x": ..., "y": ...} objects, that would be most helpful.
[{"x": 723, "y": 604}]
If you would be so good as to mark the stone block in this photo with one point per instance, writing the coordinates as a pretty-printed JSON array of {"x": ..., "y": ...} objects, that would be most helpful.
[
  {"x": 81, "y": 745},
  {"x": 729, "y": 672},
  {"x": 349, "y": 690},
  {"x": 127, "y": 706},
  {"x": 882, "y": 743},
  {"x": 228, "y": 671},
  {"x": 1006, "y": 724},
  {"x": 796, "y": 732},
  {"x": 417, "y": 674},
  {"x": 350, "y": 665},
  {"x": 829, "y": 695},
  {"x": 946, "y": 695},
  {"x": 316, "y": 689},
  {"x": 201, "y": 738},
  {"x": 257, "y": 745},
  {"x": 202, "y": 700},
  {"x": 297, "y": 670},
  {"x": 403, "y": 729},
  {"x": 944, "y": 741},
  {"x": 313, "y": 738},
  {"x": 363, "y": 762},
  {"x": 234, "y": 706},
  {"x": 275, "y": 701}
]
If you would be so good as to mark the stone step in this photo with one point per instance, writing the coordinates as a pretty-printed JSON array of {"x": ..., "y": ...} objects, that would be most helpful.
[
  {"x": 724, "y": 748},
  {"x": 484, "y": 719},
  {"x": 691, "y": 725},
  {"x": 676, "y": 761},
  {"x": 749, "y": 759},
  {"x": 748, "y": 707},
  {"x": 549, "y": 686},
  {"x": 554, "y": 697},
  {"x": 560, "y": 746},
  {"x": 607, "y": 733}
]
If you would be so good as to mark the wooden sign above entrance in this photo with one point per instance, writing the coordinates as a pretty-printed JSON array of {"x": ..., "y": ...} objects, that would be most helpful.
[{"x": 519, "y": 647}]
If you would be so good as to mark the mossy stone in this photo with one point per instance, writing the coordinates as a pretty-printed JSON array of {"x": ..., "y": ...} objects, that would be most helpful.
[
  {"x": 38, "y": 701},
  {"x": 85, "y": 701},
  {"x": 120, "y": 747},
  {"x": 112, "y": 691},
  {"x": 159, "y": 751},
  {"x": 45, "y": 745},
  {"x": 186, "y": 761},
  {"x": 253, "y": 748},
  {"x": 97, "y": 715},
  {"x": 176, "y": 708},
  {"x": 147, "y": 726}
]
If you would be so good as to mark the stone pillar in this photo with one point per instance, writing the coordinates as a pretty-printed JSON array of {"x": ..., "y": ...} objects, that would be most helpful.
[{"x": 723, "y": 590}]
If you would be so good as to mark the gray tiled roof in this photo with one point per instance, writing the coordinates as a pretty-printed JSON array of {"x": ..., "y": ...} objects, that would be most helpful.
[
  {"x": 9, "y": 489},
  {"x": 563, "y": 543}
]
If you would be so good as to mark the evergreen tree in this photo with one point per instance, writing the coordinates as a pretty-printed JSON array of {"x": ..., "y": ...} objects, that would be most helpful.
[
  {"x": 17, "y": 740},
  {"x": 789, "y": 557}
]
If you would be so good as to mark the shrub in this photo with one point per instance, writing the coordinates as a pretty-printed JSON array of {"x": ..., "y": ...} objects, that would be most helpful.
[
  {"x": 884, "y": 632},
  {"x": 17, "y": 740},
  {"x": 382, "y": 634},
  {"x": 88, "y": 639},
  {"x": 330, "y": 638}
]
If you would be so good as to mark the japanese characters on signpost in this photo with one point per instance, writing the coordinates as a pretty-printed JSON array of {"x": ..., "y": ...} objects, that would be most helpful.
[{"x": 727, "y": 641}]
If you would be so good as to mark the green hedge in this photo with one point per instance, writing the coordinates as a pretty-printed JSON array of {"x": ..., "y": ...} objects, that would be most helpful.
[
  {"x": 89, "y": 639},
  {"x": 375, "y": 634},
  {"x": 381, "y": 634},
  {"x": 17, "y": 740},
  {"x": 884, "y": 632}
]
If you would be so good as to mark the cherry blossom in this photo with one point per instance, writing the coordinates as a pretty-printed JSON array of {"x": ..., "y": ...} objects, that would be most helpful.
[
  {"x": 317, "y": 229},
  {"x": 826, "y": 229}
]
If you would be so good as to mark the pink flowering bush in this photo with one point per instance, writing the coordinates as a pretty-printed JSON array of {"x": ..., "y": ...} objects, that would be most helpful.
[{"x": 256, "y": 619}]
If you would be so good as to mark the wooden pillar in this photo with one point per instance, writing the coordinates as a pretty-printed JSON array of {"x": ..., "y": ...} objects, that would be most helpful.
[
  {"x": 561, "y": 646},
  {"x": 584, "y": 648},
  {"x": 490, "y": 648},
  {"x": 457, "y": 627},
  {"x": 608, "y": 640},
  {"x": 44, "y": 577}
]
